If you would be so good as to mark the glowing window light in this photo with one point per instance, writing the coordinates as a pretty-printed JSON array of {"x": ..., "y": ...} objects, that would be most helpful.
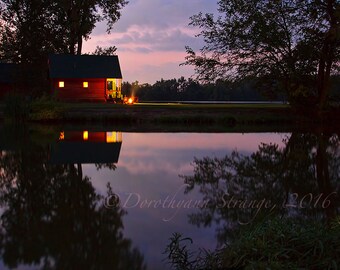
[
  {"x": 85, "y": 84},
  {"x": 85, "y": 135},
  {"x": 61, "y": 84},
  {"x": 113, "y": 137}
]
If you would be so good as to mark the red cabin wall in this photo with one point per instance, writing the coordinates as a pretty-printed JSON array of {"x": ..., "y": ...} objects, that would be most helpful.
[
  {"x": 78, "y": 136},
  {"x": 73, "y": 89}
]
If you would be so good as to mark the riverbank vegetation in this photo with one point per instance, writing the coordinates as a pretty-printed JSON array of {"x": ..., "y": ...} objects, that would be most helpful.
[
  {"x": 272, "y": 244},
  {"x": 45, "y": 110},
  {"x": 276, "y": 207},
  {"x": 170, "y": 114},
  {"x": 246, "y": 90}
]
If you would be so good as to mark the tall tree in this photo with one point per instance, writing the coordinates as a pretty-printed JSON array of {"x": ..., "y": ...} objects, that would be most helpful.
[
  {"x": 306, "y": 166},
  {"x": 52, "y": 216},
  {"x": 78, "y": 17},
  {"x": 294, "y": 44},
  {"x": 32, "y": 28},
  {"x": 28, "y": 30}
]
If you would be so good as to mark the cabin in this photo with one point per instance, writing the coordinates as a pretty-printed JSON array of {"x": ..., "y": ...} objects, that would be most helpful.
[
  {"x": 85, "y": 77},
  {"x": 69, "y": 146},
  {"x": 86, "y": 147}
]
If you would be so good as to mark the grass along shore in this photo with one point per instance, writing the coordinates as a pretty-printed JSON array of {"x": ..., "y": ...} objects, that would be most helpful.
[{"x": 50, "y": 111}]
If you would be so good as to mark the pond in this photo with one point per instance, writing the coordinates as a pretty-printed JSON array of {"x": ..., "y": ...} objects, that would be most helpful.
[{"x": 99, "y": 198}]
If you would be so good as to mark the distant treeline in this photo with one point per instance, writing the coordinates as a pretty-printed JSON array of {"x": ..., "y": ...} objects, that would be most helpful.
[{"x": 189, "y": 90}]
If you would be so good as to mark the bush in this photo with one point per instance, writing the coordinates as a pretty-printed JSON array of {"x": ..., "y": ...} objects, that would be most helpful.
[
  {"x": 274, "y": 244},
  {"x": 181, "y": 258},
  {"x": 17, "y": 107},
  {"x": 46, "y": 108},
  {"x": 286, "y": 244}
]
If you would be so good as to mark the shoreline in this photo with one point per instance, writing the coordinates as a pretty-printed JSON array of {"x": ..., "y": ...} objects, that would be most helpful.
[{"x": 174, "y": 116}]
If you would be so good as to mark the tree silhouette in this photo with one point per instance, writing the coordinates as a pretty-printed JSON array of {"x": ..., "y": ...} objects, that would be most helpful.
[
  {"x": 293, "y": 45},
  {"x": 302, "y": 178},
  {"x": 32, "y": 29},
  {"x": 54, "y": 219}
]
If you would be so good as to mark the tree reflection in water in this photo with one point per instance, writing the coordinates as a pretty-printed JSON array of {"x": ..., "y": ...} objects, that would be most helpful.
[
  {"x": 300, "y": 180},
  {"x": 53, "y": 218}
]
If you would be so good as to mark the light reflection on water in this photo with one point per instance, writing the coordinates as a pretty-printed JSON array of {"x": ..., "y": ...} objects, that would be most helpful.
[{"x": 145, "y": 176}]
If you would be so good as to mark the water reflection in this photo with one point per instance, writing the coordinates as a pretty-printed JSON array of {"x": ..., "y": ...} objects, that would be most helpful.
[
  {"x": 52, "y": 196},
  {"x": 86, "y": 147},
  {"x": 300, "y": 179},
  {"x": 52, "y": 217}
]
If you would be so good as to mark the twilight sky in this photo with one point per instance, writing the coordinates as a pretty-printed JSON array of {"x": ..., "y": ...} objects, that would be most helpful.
[{"x": 151, "y": 37}]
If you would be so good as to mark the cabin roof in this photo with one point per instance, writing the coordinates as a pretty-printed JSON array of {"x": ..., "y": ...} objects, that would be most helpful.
[
  {"x": 7, "y": 72},
  {"x": 84, "y": 66}
]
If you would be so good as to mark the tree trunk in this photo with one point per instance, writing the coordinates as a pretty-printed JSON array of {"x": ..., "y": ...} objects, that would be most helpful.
[
  {"x": 322, "y": 80},
  {"x": 80, "y": 44},
  {"x": 327, "y": 57},
  {"x": 322, "y": 173},
  {"x": 72, "y": 14},
  {"x": 324, "y": 72},
  {"x": 80, "y": 171},
  {"x": 72, "y": 48}
]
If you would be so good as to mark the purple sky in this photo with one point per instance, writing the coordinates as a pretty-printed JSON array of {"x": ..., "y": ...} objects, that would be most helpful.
[{"x": 151, "y": 37}]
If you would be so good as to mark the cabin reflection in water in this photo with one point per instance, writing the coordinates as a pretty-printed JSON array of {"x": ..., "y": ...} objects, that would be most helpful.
[{"x": 86, "y": 147}]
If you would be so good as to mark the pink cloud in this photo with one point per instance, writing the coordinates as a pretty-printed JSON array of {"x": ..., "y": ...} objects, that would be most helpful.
[
  {"x": 148, "y": 66},
  {"x": 151, "y": 37},
  {"x": 248, "y": 142}
]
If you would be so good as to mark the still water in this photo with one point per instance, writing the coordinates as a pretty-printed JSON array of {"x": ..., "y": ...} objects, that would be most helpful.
[{"x": 94, "y": 199}]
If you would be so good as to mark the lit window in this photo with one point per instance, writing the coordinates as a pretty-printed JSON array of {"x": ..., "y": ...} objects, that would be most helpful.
[
  {"x": 85, "y": 84},
  {"x": 113, "y": 137},
  {"x": 85, "y": 135},
  {"x": 61, "y": 84}
]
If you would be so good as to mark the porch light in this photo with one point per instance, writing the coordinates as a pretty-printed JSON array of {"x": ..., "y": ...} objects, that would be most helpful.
[{"x": 61, "y": 136}]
